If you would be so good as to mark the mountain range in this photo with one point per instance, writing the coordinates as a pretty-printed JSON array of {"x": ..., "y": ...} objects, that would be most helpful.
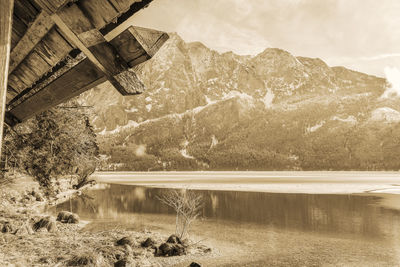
[{"x": 204, "y": 110}]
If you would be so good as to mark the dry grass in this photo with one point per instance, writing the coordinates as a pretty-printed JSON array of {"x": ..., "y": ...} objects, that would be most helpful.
[
  {"x": 69, "y": 246},
  {"x": 36, "y": 239}
]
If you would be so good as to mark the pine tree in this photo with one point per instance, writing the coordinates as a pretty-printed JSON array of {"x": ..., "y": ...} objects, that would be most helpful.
[{"x": 56, "y": 142}]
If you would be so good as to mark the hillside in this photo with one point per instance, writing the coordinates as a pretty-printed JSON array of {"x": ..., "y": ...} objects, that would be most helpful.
[{"x": 273, "y": 111}]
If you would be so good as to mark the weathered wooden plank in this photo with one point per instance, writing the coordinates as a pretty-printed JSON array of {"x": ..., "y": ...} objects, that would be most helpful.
[
  {"x": 135, "y": 7},
  {"x": 96, "y": 53},
  {"x": 37, "y": 64},
  {"x": 10, "y": 94},
  {"x": 74, "y": 19},
  {"x": 73, "y": 59},
  {"x": 6, "y": 15},
  {"x": 18, "y": 31},
  {"x": 51, "y": 6},
  {"x": 101, "y": 54},
  {"x": 77, "y": 80},
  {"x": 25, "y": 11},
  {"x": 32, "y": 36},
  {"x": 19, "y": 74},
  {"x": 53, "y": 47},
  {"x": 16, "y": 83},
  {"x": 122, "y": 5},
  {"x": 99, "y": 12},
  {"x": 47, "y": 54},
  {"x": 26, "y": 74}
]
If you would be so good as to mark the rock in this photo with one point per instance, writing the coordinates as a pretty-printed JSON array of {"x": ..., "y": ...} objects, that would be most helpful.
[
  {"x": 125, "y": 240},
  {"x": 207, "y": 250},
  {"x": 194, "y": 264},
  {"x": 149, "y": 242},
  {"x": 7, "y": 228},
  {"x": 45, "y": 223},
  {"x": 169, "y": 249},
  {"x": 122, "y": 263},
  {"x": 164, "y": 249},
  {"x": 67, "y": 217},
  {"x": 174, "y": 239}
]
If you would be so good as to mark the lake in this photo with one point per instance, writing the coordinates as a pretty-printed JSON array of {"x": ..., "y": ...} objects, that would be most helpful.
[{"x": 250, "y": 227}]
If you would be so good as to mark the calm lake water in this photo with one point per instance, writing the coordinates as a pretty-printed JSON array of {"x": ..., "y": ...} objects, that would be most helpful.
[{"x": 276, "y": 229}]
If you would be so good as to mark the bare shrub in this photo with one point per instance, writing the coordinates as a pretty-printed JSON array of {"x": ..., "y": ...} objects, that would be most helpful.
[{"x": 187, "y": 205}]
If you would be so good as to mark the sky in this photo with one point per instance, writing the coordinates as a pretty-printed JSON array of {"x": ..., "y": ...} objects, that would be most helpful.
[{"x": 363, "y": 35}]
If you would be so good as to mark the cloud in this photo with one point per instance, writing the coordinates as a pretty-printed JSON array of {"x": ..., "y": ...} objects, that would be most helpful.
[
  {"x": 379, "y": 57},
  {"x": 393, "y": 77},
  {"x": 328, "y": 29}
]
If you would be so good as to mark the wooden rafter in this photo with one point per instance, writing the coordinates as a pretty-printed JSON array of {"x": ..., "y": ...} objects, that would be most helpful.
[
  {"x": 31, "y": 38},
  {"x": 79, "y": 30},
  {"x": 65, "y": 47}
]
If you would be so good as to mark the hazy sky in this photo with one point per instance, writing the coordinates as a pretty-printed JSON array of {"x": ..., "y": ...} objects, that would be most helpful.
[{"x": 359, "y": 34}]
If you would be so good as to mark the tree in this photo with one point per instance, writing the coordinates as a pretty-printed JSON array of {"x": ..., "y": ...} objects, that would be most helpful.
[
  {"x": 187, "y": 205},
  {"x": 56, "y": 142}
]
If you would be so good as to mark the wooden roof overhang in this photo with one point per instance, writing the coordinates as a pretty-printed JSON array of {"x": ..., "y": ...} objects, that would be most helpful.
[{"x": 61, "y": 48}]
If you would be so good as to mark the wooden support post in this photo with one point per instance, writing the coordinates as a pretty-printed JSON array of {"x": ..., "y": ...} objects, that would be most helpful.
[{"x": 6, "y": 14}]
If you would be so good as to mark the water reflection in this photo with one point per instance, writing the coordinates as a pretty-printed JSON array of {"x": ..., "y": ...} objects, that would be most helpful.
[{"x": 345, "y": 214}]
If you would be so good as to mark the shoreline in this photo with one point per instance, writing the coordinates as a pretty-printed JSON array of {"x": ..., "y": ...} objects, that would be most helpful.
[{"x": 268, "y": 182}]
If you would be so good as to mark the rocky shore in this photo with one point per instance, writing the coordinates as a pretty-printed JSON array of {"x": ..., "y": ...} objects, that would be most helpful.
[{"x": 30, "y": 237}]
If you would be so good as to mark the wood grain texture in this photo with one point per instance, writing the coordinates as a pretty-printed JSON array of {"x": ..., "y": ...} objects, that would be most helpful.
[
  {"x": 129, "y": 48},
  {"x": 51, "y": 6},
  {"x": 25, "y": 11},
  {"x": 102, "y": 54},
  {"x": 53, "y": 47},
  {"x": 151, "y": 40},
  {"x": 77, "y": 80},
  {"x": 99, "y": 12},
  {"x": 6, "y": 15},
  {"x": 123, "y": 5},
  {"x": 31, "y": 38}
]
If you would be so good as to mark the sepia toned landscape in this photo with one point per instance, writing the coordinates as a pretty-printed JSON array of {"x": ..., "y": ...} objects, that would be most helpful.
[{"x": 199, "y": 133}]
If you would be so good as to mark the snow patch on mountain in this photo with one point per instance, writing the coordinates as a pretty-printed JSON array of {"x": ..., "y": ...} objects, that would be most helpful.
[
  {"x": 214, "y": 141},
  {"x": 131, "y": 110},
  {"x": 349, "y": 119},
  {"x": 184, "y": 152},
  {"x": 315, "y": 127},
  {"x": 268, "y": 98},
  {"x": 130, "y": 124},
  {"x": 385, "y": 114}
]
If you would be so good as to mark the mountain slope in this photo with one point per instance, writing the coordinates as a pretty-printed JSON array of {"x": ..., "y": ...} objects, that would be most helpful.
[{"x": 205, "y": 110}]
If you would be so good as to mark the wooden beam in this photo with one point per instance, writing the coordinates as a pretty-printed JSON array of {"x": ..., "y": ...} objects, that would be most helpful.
[
  {"x": 100, "y": 12},
  {"x": 151, "y": 40},
  {"x": 75, "y": 81},
  {"x": 135, "y": 7},
  {"x": 51, "y": 6},
  {"x": 137, "y": 44},
  {"x": 25, "y": 11},
  {"x": 6, "y": 14},
  {"x": 80, "y": 31},
  {"x": 39, "y": 28}
]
